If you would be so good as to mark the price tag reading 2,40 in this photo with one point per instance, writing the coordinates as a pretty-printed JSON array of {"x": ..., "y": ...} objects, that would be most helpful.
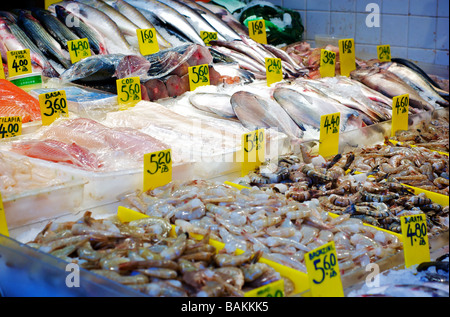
[
  {"x": 79, "y": 49},
  {"x": 327, "y": 63},
  {"x": 384, "y": 53},
  {"x": 253, "y": 150},
  {"x": 3, "y": 225},
  {"x": 257, "y": 31},
  {"x": 329, "y": 134},
  {"x": 415, "y": 239},
  {"x": 157, "y": 169},
  {"x": 128, "y": 92},
  {"x": 53, "y": 106},
  {"x": 400, "y": 113},
  {"x": 323, "y": 272},
  {"x": 347, "y": 56},
  {"x": 148, "y": 43},
  {"x": 198, "y": 76},
  {"x": 19, "y": 62},
  {"x": 274, "y": 70},
  {"x": 10, "y": 127}
]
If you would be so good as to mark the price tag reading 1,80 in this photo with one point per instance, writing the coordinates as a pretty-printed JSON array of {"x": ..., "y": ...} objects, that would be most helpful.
[
  {"x": 274, "y": 70},
  {"x": 129, "y": 91},
  {"x": 198, "y": 76},
  {"x": 19, "y": 62},
  {"x": 327, "y": 63},
  {"x": 253, "y": 150},
  {"x": 148, "y": 42},
  {"x": 415, "y": 239},
  {"x": 329, "y": 134},
  {"x": 79, "y": 49},
  {"x": 257, "y": 31},
  {"x": 400, "y": 113},
  {"x": 53, "y": 106},
  {"x": 10, "y": 127},
  {"x": 384, "y": 53},
  {"x": 323, "y": 272},
  {"x": 157, "y": 169}
]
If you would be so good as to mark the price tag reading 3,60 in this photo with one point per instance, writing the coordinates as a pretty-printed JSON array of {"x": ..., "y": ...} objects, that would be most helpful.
[
  {"x": 128, "y": 92},
  {"x": 157, "y": 169},
  {"x": 347, "y": 56},
  {"x": 323, "y": 272},
  {"x": 274, "y": 70},
  {"x": 79, "y": 49},
  {"x": 3, "y": 225},
  {"x": 10, "y": 127},
  {"x": 19, "y": 62},
  {"x": 53, "y": 106},
  {"x": 198, "y": 76},
  {"x": 327, "y": 63},
  {"x": 384, "y": 53},
  {"x": 208, "y": 37},
  {"x": 148, "y": 42},
  {"x": 329, "y": 134},
  {"x": 253, "y": 150},
  {"x": 257, "y": 31},
  {"x": 415, "y": 239},
  {"x": 400, "y": 113}
]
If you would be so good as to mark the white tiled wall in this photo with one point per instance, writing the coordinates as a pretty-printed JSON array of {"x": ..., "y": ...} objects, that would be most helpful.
[{"x": 415, "y": 29}]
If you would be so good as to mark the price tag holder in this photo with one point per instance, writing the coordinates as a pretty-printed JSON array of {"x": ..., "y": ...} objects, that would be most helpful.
[
  {"x": 253, "y": 150},
  {"x": 347, "y": 56},
  {"x": 323, "y": 272},
  {"x": 79, "y": 49},
  {"x": 10, "y": 127},
  {"x": 275, "y": 289},
  {"x": 208, "y": 37},
  {"x": 330, "y": 126},
  {"x": 128, "y": 92},
  {"x": 19, "y": 63},
  {"x": 3, "y": 225},
  {"x": 2, "y": 71},
  {"x": 274, "y": 70},
  {"x": 257, "y": 31},
  {"x": 148, "y": 42},
  {"x": 199, "y": 76},
  {"x": 53, "y": 106},
  {"x": 415, "y": 239},
  {"x": 400, "y": 113},
  {"x": 157, "y": 169},
  {"x": 384, "y": 53},
  {"x": 327, "y": 63}
]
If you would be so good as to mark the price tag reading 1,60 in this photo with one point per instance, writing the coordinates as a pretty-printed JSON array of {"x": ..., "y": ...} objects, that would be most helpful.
[
  {"x": 10, "y": 127},
  {"x": 327, "y": 63},
  {"x": 253, "y": 150},
  {"x": 148, "y": 43},
  {"x": 53, "y": 106},
  {"x": 208, "y": 36},
  {"x": 384, "y": 53},
  {"x": 198, "y": 76},
  {"x": 415, "y": 239},
  {"x": 323, "y": 272},
  {"x": 329, "y": 134},
  {"x": 128, "y": 92},
  {"x": 347, "y": 56},
  {"x": 157, "y": 169},
  {"x": 257, "y": 31},
  {"x": 19, "y": 62},
  {"x": 274, "y": 70},
  {"x": 79, "y": 49},
  {"x": 3, "y": 225},
  {"x": 400, "y": 113}
]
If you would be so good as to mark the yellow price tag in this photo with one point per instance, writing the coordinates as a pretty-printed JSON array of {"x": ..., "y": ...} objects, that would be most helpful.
[
  {"x": 330, "y": 126},
  {"x": 127, "y": 215},
  {"x": 275, "y": 289},
  {"x": 347, "y": 56},
  {"x": 327, "y": 63},
  {"x": 415, "y": 239},
  {"x": 2, "y": 71},
  {"x": 323, "y": 272},
  {"x": 3, "y": 225},
  {"x": 49, "y": 3},
  {"x": 384, "y": 53},
  {"x": 10, "y": 127},
  {"x": 128, "y": 92},
  {"x": 79, "y": 49},
  {"x": 400, "y": 113},
  {"x": 208, "y": 37},
  {"x": 198, "y": 76},
  {"x": 257, "y": 31},
  {"x": 19, "y": 62},
  {"x": 53, "y": 106},
  {"x": 253, "y": 150},
  {"x": 157, "y": 169},
  {"x": 274, "y": 70},
  {"x": 148, "y": 42}
]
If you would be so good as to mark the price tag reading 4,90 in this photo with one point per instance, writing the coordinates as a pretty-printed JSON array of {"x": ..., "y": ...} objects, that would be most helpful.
[
  {"x": 208, "y": 36},
  {"x": 148, "y": 43},
  {"x": 79, "y": 49},
  {"x": 329, "y": 134},
  {"x": 415, "y": 239},
  {"x": 347, "y": 56},
  {"x": 327, "y": 63},
  {"x": 400, "y": 113},
  {"x": 19, "y": 62},
  {"x": 157, "y": 169},
  {"x": 53, "y": 106},
  {"x": 129, "y": 91},
  {"x": 10, "y": 127},
  {"x": 384, "y": 53},
  {"x": 3, "y": 224},
  {"x": 274, "y": 70},
  {"x": 257, "y": 31},
  {"x": 198, "y": 76},
  {"x": 323, "y": 272},
  {"x": 253, "y": 150}
]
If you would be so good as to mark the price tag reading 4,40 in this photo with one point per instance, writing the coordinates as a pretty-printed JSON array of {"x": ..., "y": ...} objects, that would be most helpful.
[
  {"x": 329, "y": 134},
  {"x": 400, "y": 113},
  {"x": 323, "y": 272},
  {"x": 10, "y": 127},
  {"x": 415, "y": 239},
  {"x": 3, "y": 225},
  {"x": 129, "y": 92},
  {"x": 327, "y": 63},
  {"x": 157, "y": 169},
  {"x": 53, "y": 106},
  {"x": 19, "y": 62},
  {"x": 384, "y": 53},
  {"x": 79, "y": 49},
  {"x": 208, "y": 36},
  {"x": 257, "y": 31},
  {"x": 198, "y": 76},
  {"x": 148, "y": 43},
  {"x": 347, "y": 56},
  {"x": 253, "y": 150},
  {"x": 274, "y": 70}
]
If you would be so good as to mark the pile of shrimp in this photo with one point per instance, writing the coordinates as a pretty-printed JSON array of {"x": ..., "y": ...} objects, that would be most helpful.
[{"x": 143, "y": 255}]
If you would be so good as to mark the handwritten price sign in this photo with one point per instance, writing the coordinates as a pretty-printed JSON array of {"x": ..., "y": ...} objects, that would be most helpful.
[
  {"x": 329, "y": 134},
  {"x": 19, "y": 62},
  {"x": 347, "y": 56},
  {"x": 79, "y": 49},
  {"x": 148, "y": 43},
  {"x": 2, "y": 71},
  {"x": 53, "y": 106},
  {"x": 253, "y": 149},
  {"x": 327, "y": 63},
  {"x": 10, "y": 127},
  {"x": 208, "y": 36},
  {"x": 157, "y": 169},
  {"x": 274, "y": 70},
  {"x": 415, "y": 239},
  {"x": 400, "y": 113},
  {"x": 257, "y": 31},
  {"x": 129, "y": 92},
  {"x": 198, "y": 76},
  {"x": 275, "y": 289},
  {"x": 384, "y": 53}
]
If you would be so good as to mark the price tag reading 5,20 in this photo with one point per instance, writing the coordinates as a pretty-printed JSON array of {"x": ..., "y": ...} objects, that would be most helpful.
[
  {"x": 198, "y": 76},
  {"x": 53, "y": 106},
  {"x": 323, "y": 272},
  {"x": 329, "y": 134},
  {"x": 415, "y": 239},
  {"x": 129, "y": 92},
  {"x": 157, "y": 169}
]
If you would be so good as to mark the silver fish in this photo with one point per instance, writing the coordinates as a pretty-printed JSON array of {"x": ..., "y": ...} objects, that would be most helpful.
[
  {"x": 226, "y": 17},
  {"x": 221, "y": 105}
]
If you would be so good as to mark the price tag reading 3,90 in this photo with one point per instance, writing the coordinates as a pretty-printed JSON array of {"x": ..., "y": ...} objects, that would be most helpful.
[
  {"x": 415, "y": 239},
  {"x": 128, "y": 92},
  {"x": 384, "y": 53},
  {"x": 347, "y": 56},
  {"x": 157, "y": 169},
  {"x": 257, "y": 31},
  {"x": 148, "y": 42},
  {"x": 329, "y": 134},
  {"x": 400, "y": 113},
  {"x": 198, "y": 76},
  {"x": 10, "y": 127},
  {"x": 253, "y": 150},
  {"x": 19, "y": 62},
  {"x": 274, "y": 70},
  {"x": 53, "y": 106},
  {"x": 79, "y": 49},
  {"x": 327, "y": 63}
]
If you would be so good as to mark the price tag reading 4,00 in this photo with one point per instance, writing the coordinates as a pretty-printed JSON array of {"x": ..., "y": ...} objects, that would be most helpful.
[
  {"x": 329, "y": 134},
  {"x": 253, "y": 150},
  {"x": 19, "y": 62},
  {"x": 148, "y": 42},
  {"x": 415, "y": 239},
  {"x": 129, "y": 92},
  {"x": 323, "y": 272},
  {"x": 79, "y": 49},
  {"x": 400, "y": 113},
  {"x": 257, "y": 31},
  {"x": 53, "y": 106},
  {"x": 157, "y": 169},
  {"x": 10, "y": 127},
  {"x": 198, "y": 76},
  {"x": 274, "y": 70}
]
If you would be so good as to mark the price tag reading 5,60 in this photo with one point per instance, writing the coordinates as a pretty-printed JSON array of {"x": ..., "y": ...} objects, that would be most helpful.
[
  {"x": 400, "y": 113},
  {"x": 10, "y": 127},
  {"x": 19, "y": 62},
  {"x": 253, "y": 150},
  {"x": 79, "y": 49},
  {"x": 157, "y": 169},
  {"x": 327, "y": 63},
  {"x": 323, "y": 272},
  {"x": 198, "y": 76},
  {"x": 274, "y": 70},
  {"x": 329, "y": 134},
  {"x": 415, "y": 239},
  {"x": 257, "y": 31},
  {"x": 129, "y": 91},
  {"x": 148, "y": 43},
  {"x": 53, "y": 106}
]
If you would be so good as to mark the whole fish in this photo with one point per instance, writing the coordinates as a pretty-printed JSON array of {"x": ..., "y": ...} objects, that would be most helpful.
[
  {"x": 8, "y": 15},
  {"x": 256, "y": 112},
  {"x": 245, "y": 61},
  {"x": 221, "y": 105},
  {"x": 226, "y": 17}
]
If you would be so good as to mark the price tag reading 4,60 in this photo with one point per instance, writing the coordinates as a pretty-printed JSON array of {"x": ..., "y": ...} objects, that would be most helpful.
[
  {"x": 3, "y": 225},
  {"x": 198, "y": 76},
  {"x": 253, "y": 150},
  {"x": 128, "y": 92},
  {"x": 257, "y": 31},
  {"x": 329, "y": 134},
  {"x": 327, "y": 63},
  {"x": 208, "y": 36},
  {"x": 10, "y": 127},
  {"x": 19, "y": 62},
  {"x": 323, "y": 272},
  {"x": 53, "y": 106},
  {"x": 347, "y": 56},
  {"x": 274, "y": 70},
  {"x": 384, "y": 53},
  {"x": 79, "y": 49},
  {"x": 157, "y": 169},
  {"x": 148, "y": 43},
  {"x": 415, "y": 239},
  {"x": 400, "y": 113}
]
